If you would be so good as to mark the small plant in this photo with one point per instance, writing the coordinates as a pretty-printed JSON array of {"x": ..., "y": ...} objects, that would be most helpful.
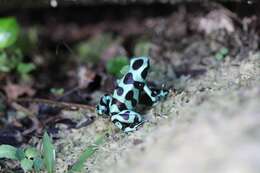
[
  {"x": 31, "y": 158},
  {"x": 221, "y": 54},
  {"x": 91, "y": 50},
  {"x": 57, "y": 91},
  {"x": 78, "y": 166},
  {"x": 48, "y": 153},
  {"x": 117, "y": 66},
  {"x": 11, "y": 57},
  {"x": 9, "y": 31}
]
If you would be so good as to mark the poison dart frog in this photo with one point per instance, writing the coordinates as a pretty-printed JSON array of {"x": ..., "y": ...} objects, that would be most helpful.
[{"x": 120, "y": 106}]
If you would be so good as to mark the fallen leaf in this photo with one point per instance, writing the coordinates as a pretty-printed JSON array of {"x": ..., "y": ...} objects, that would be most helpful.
[
  {"x": 85, "y": 77},
  {"x": 216, "y": 20},
  {"x": 13, "y": 91}
]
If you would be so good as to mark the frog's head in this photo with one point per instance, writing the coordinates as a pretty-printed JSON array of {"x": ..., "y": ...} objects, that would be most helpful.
[
  {"x": 103, "y": 107},
  {"x": 140, "y": 66}
]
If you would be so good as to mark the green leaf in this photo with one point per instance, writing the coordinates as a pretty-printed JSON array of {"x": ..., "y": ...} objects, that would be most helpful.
[
  {"x": 9, "y": 30},
  {"x": 124, "y": 70},
  {"x": 224, "y": 51},
  {"x": 31, "y": 153},
  {"x": 4, "y": 64},
  {"x": 37, "y": 164},
  {"x": 57, "y": 91},
  {"x": 48, "y": 153},
  {"x": 219, "y": 56},
  {"x": 26, "y": 164},
  {"x": 8, "y": 152},
  {"x": 77, "y": 167},
  {"x": 20, "y": 154},
  {"x": 25, "y": 68},
  {"x": 91, "y": 50},
  {"x": 115, "y": 65}
]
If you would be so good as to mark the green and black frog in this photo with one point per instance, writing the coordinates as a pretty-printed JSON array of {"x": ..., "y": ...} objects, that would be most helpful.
[{"x": 120, "y": 106}]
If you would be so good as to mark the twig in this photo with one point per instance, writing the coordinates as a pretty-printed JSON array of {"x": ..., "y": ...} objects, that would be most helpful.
[
  {"x": 20, "y": 108},
  {"x": 63, "y": 105},
  {"x": 32, "y": 115}
]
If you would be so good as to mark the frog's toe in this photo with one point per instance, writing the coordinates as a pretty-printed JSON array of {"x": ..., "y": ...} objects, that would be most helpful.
[
  {"x": 133, "y": 128},
  {"x": 164, "y": 92}
]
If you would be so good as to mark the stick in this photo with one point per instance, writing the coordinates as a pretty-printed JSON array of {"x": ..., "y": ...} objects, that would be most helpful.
[{"x": 64, "y": 105}]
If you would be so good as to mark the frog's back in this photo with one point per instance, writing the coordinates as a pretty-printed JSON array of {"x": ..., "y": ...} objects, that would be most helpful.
[{"x": 126, "y": 94}]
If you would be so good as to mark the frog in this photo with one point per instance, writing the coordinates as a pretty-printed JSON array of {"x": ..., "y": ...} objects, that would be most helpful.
[{"x": 121, "y": 104}]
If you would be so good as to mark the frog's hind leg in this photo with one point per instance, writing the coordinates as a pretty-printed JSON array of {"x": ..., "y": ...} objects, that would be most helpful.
[{"x": 127, "y": 120}]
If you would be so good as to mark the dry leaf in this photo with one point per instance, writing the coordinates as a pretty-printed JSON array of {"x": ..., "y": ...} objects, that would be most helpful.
[
  {"x": 216, "y": 20},
  {"x": 85, "y": 77},
  {"x": 13, "y": 91}
]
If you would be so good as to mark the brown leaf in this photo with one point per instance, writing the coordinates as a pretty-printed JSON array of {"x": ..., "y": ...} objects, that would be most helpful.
[
  {"x": 216, "y": 20},
  {"x": 13, "y": 91},
  {"x": 85, "y": 77}
]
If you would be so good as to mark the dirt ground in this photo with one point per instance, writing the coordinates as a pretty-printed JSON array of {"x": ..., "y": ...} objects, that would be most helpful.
[{"x": 209, "y": 124}]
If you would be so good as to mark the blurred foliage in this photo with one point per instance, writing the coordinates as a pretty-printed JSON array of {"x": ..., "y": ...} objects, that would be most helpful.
[
  {"x": 12, "y": 60},
  {"x": 142, "y": 48},
  {"x": 11, "y": 56},
  {"x": 28, "y": 41},
  {"x": 114, "y": 65},
  {"x": 2, "y": 104},
  {"x": 9, "y": 31},
  {"x": 24, "y": 69},
  {"x": 29, "y": 159},
  {"x": 91, "y": 50},
  {"x": 57, "y": 91}
]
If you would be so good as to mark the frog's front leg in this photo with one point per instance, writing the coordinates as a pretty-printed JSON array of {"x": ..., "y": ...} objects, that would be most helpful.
[
  {"x": 155, "y": 95},
  {"x": 127, "y": 120}
]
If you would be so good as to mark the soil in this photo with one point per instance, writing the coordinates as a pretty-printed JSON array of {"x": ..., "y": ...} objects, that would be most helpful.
[{"x": 209, "y": 124}]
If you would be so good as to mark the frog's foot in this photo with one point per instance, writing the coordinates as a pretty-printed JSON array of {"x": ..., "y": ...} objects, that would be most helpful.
[
  {"x": 127, "y": 120},
  {"x": 102, "y": 108},
  {"x": 159, "y": 95},
  {"x": 163, "y": 93}
]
